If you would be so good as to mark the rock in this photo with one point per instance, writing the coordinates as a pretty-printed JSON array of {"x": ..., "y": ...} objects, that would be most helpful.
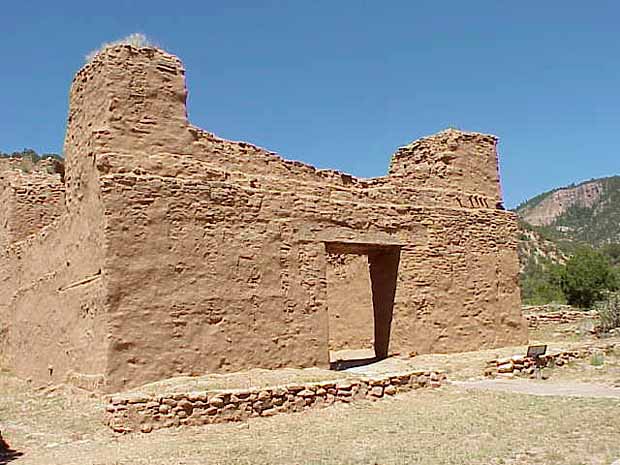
[
  {"x": 264, "y": 395},
  {"x": 164, "y": 409},
  {"x": 279, "y": 391},
  {"x": 197, "y": 396},
  {"x": 376, "y": 391},
  {"x": 389, "y": 390},
  {"x": 185, "y": 405},
  {"x": 505, "y": 367},
  {"x": 216, "y": 401},
  {"x": 295, "y": 387},
  {"x": 146, "y": 428},
  {"x": 269, "y": 412},
  {"x": 344, "y": 385}
]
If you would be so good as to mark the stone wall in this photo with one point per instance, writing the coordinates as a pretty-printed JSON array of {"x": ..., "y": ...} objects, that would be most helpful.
[
  {"x": 143, "y": 412},
  {"x": 520, "y": 365},
  {"x": 555, "y": 314},
  {"x": 30, "y": 200}
]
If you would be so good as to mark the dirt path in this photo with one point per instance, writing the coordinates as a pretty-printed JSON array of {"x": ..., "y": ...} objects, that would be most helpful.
[{"x": 543, "y": 388}]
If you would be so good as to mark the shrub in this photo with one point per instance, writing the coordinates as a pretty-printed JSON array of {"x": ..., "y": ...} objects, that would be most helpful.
[
  {"x": 609, "y": 312},
  {"x": 597, "y": 359},
  {"x": 586, "y": 277},
  {"x": 136, "y": 39},
  {"x": 540, "y": 282}
]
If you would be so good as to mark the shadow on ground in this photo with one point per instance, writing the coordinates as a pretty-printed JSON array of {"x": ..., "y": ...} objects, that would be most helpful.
[
  {"x": 6, "y": 453},
  {"x": 352, "y": 363}
]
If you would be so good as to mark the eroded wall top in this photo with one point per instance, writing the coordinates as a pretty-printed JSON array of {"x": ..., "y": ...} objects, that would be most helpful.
[
  {"x": 128, "y": 109},
  {"x": 453, "y": 160}
]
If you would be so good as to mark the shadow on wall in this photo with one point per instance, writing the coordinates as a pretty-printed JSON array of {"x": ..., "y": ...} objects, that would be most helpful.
[{"x": 383, "y": 261}]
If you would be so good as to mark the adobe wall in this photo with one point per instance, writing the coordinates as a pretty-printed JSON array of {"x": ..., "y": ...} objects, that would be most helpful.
[
  {"x": 452, "y": 160},
  {"x": 53, "y": 305},
  {"x": 349, "y": 302},
  {"x": 30, "y": 200},
  {"x": 182, "y": 253},
  {"x": 216, "y": 255},
  {"x": 53, "y": 298}
]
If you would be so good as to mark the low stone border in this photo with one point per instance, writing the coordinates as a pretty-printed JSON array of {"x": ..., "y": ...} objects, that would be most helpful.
[
  {"x": 509, "y": 367},
  {"x": 129, "y": 412},
  {"x": 541, "y": 315}
]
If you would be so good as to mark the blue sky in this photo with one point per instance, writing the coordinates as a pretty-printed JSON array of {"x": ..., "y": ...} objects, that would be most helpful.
[{"x": 342, "y": 83}]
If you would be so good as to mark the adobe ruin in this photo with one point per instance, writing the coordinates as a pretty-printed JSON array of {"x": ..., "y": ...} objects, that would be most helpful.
[{"x": 169, "y": 251}]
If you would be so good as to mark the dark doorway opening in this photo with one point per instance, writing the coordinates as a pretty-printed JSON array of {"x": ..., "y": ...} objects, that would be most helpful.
[{"x": 361, "y": 282}]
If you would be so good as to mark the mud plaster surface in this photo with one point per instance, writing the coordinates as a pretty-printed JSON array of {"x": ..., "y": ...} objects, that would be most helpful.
[{"x": 168, "y": 251}]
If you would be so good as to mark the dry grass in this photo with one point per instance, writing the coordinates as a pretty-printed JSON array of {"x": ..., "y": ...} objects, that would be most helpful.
[
  {"x": 448, "y": 426},
  {"x": 601, "y": 369},
  {"x": 445, "y": 426},
  {"x": 136, "y": 39}
]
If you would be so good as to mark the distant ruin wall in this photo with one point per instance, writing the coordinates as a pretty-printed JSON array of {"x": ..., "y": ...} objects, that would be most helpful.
[{"x": 32, "y": 201}]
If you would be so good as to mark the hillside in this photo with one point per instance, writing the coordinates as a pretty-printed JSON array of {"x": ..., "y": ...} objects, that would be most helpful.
[
  {"x": 588, "y": 212},
  {"x": 554, "y": 224}
]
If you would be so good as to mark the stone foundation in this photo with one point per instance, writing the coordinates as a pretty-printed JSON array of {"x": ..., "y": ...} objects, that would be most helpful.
[
  {"x": 520, "y": 365},
  {"x": 543, "y": 314},
  {"x": 130, "y": 412}
]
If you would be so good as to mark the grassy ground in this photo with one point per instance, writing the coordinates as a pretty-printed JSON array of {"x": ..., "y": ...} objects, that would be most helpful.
[
  {"x": 450, "y": 425},
  {"x": 600, "y": 368}
]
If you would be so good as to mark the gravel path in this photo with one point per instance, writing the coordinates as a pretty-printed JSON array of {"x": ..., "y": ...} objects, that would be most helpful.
[{"x": 543, "y": 388}]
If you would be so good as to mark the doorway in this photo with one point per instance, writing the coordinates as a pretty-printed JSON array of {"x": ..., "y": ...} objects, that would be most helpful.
[{"x": 361, "y": 285}]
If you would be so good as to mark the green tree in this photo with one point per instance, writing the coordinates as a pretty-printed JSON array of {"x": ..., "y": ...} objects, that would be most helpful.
[
  {"x": 541, "y": 282},
  {"x": 586, "y": 277},
  {"x": 612, "y": 251}
]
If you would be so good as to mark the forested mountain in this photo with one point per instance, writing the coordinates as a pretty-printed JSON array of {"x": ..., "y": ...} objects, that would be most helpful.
[
  {"x": 588, "y": 212},
  {"x": 558, "y": 223}
]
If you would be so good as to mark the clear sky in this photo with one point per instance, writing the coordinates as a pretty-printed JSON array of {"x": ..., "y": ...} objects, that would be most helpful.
[{"x": 342, "y": 83}]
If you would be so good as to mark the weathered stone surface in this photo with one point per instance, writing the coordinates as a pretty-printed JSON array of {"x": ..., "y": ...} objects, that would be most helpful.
[
  {"x": 131, "y": 416},
  {"x": 216, "y": 402},
  {"x": 389, "y": 390}
]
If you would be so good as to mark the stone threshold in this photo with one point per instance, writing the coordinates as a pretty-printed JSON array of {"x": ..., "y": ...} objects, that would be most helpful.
[{"x": 132, "y": 412}]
